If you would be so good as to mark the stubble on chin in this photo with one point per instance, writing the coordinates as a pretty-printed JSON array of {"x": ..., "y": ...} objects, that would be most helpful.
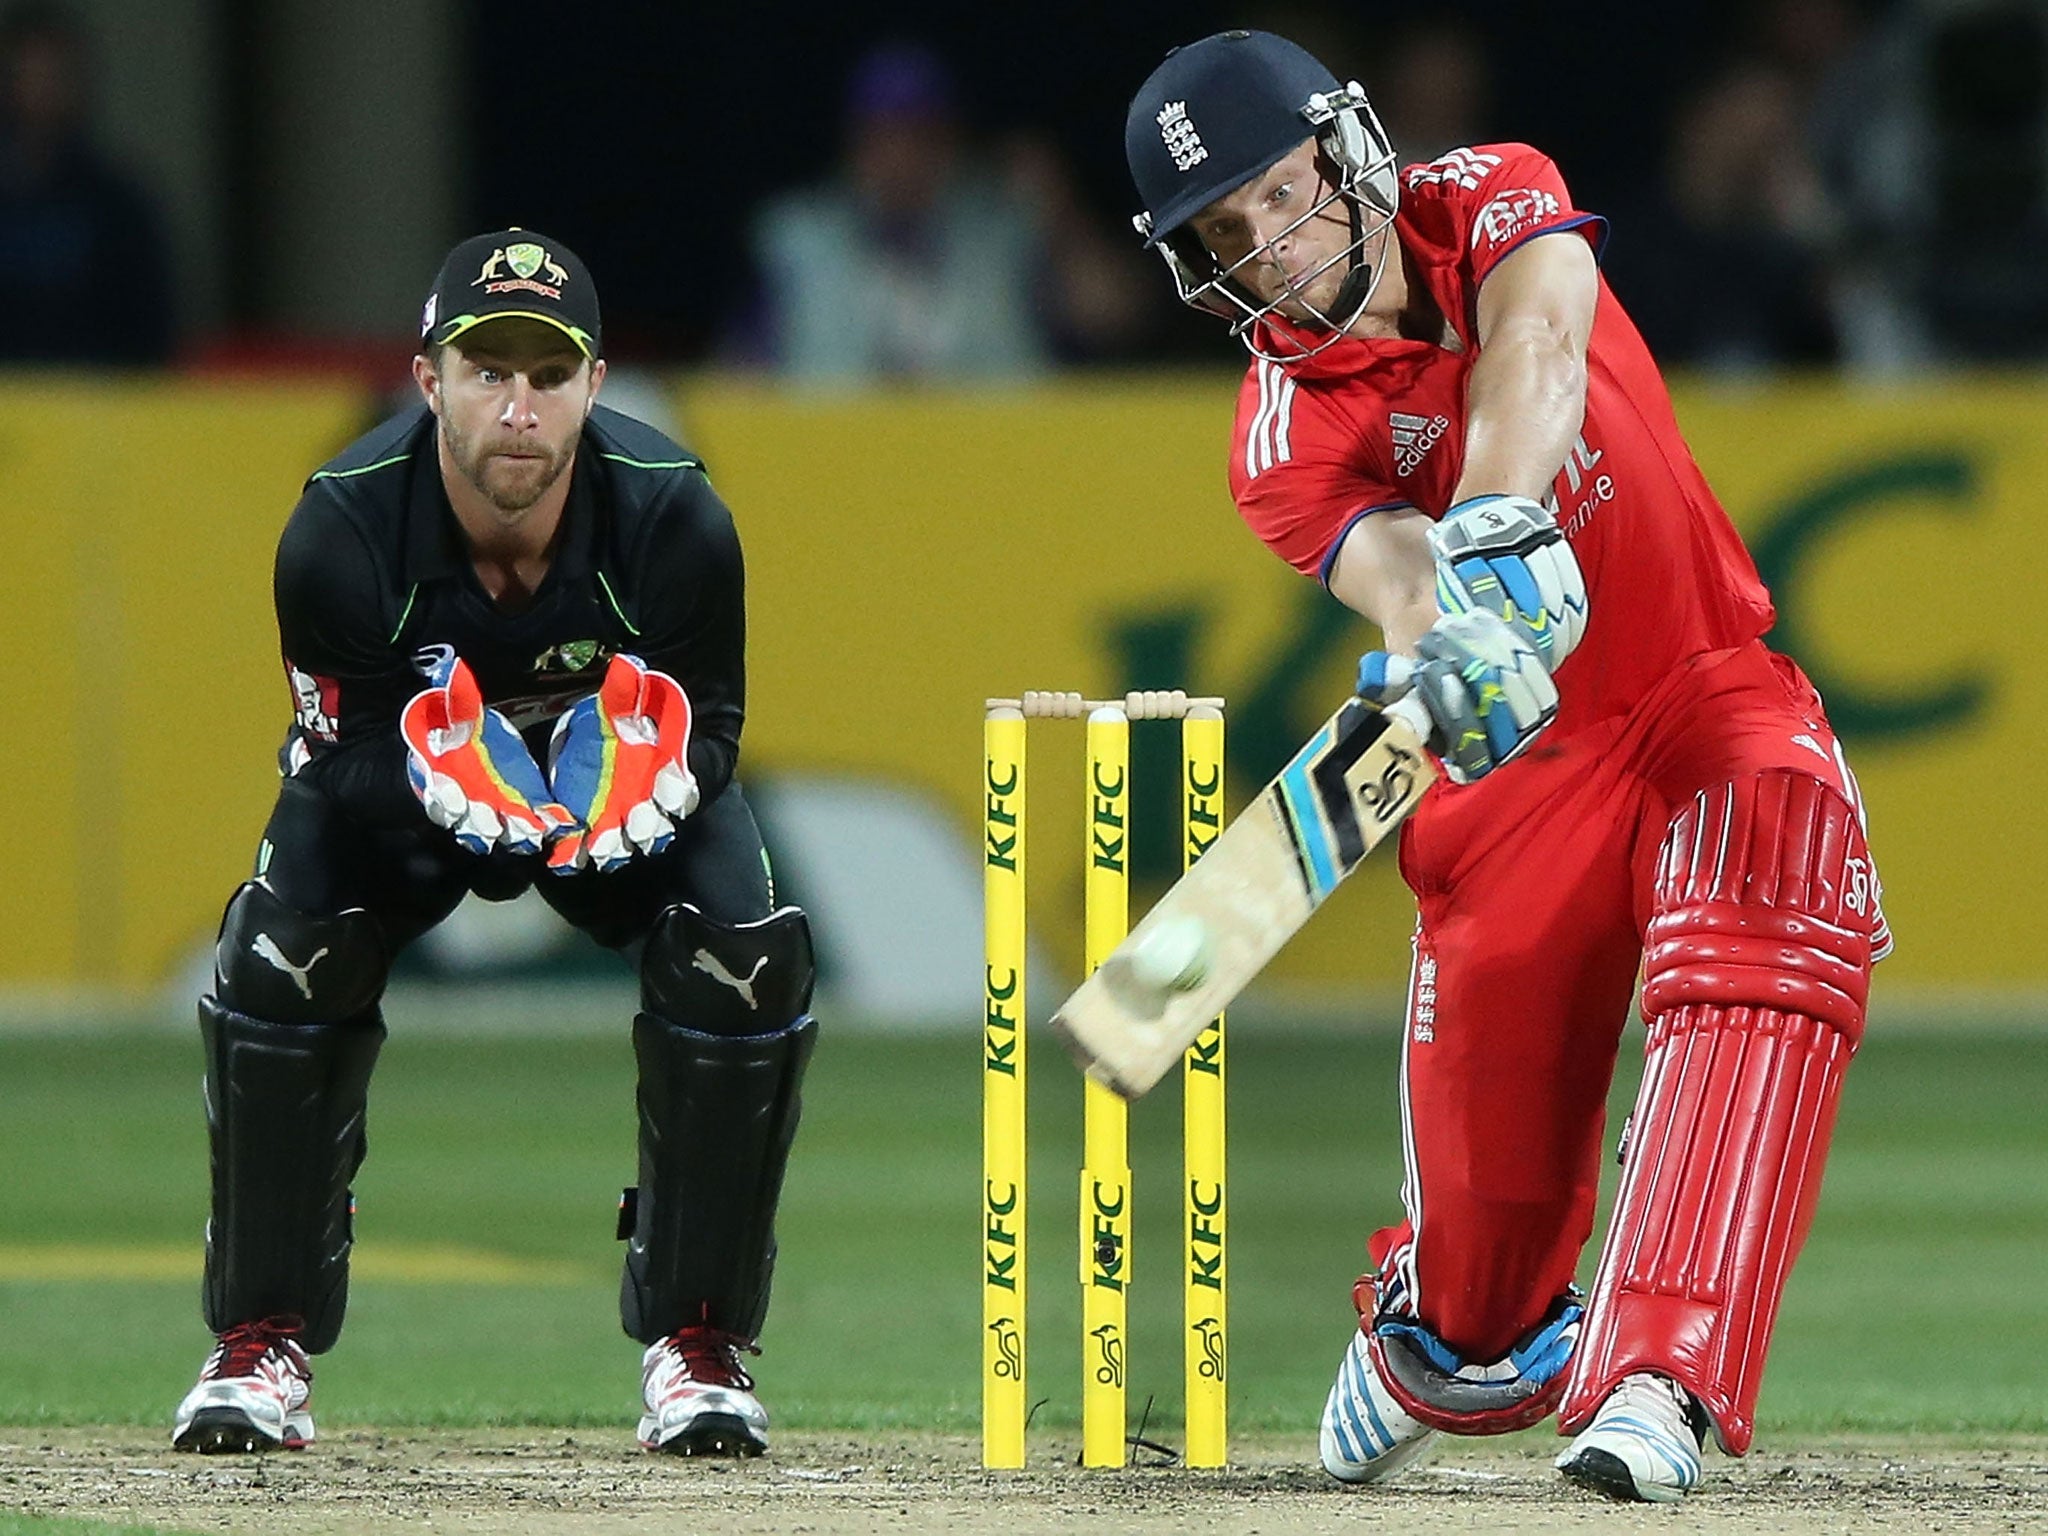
[
  {"x": 1296, "y": 307},
  {"x": 510, "y": 493},
  {"x": 518, "y": 491}
]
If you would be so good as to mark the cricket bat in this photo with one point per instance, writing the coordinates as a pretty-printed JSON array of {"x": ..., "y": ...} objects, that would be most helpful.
[{"x": 1323, "y": 814}]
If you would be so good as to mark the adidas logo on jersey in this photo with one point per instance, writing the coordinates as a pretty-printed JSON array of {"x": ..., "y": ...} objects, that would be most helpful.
[
  {"x": 1414, "y": 436},
  {"x": 1464, "y": 167}
]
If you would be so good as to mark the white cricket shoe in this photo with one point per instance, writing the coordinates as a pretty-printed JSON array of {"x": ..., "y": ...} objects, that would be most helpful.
[
  {"x": 697, "y": 1399},
  {"x": 1365, "y": 1433},
  {"x": 1644, "y": 1443},
  {"x": 255, "y": 1393}
]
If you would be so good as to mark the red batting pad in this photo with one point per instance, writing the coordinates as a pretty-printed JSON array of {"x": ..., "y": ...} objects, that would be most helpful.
[{"x": 1755, "y": 980}]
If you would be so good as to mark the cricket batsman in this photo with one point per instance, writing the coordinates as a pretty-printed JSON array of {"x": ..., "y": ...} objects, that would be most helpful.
[
  {"x": 1450, "y": 423},
  {"x": 514, "y": 625}
]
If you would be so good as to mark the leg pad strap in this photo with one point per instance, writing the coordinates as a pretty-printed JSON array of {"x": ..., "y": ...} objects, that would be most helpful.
[{"x": 1441, "y": 1389}]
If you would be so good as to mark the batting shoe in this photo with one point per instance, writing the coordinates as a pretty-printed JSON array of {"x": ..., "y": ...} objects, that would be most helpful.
[
  {"x": 697, "y": 1399},
  {"x": 1366, "y": 1434},
  {"x": 255, "y": 1393},
  {"x": 1644, "y": 1444}
]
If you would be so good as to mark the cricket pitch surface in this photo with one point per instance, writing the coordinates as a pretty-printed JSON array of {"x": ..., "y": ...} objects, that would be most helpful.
[{"x": 595, "y": 1482}]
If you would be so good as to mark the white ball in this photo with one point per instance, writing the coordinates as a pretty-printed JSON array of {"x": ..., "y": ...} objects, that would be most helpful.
[{"x": 1174, "y": 956}]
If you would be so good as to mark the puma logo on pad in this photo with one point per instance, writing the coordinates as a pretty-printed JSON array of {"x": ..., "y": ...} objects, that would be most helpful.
[
  {"x": 713, "y": 967},
  {"x": 266, "y": 947}
]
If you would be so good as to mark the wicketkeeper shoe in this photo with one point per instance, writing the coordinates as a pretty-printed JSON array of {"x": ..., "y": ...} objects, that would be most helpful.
[
  {"x": 255, "y": 1393},
  {"x": 1644, "y": 1443},
  {"x": 697, "y": 1399},
  {"x": 1365, "y": 1433}
]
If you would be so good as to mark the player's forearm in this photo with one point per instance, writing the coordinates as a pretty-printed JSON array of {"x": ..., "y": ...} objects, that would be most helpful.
[
  {"x": 1385, "y": 573},
  {"x": 1525, "y": 402},
  {"x": 1405, "y": 625},
  {"x": 712, "y": 761},
  {"x": 709, "y": 663}
]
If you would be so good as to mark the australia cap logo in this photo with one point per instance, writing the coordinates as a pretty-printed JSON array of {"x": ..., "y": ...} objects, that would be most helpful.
[
  {"x": 1180, "y": 138},
  {"x": 525, "y": 259},
  {"x": 528, "y": 259}
]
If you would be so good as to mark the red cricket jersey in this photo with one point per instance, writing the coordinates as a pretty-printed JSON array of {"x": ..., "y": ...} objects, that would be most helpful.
[{"x": 1365, "y": 425}]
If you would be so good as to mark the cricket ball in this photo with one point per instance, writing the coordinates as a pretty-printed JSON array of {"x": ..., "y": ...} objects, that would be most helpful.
[{"x": 1174, "y": 956}]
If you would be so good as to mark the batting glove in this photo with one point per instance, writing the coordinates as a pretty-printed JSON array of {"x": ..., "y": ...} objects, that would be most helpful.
[
  {"x": 472, "y": 772},
  {"x": 619, "y": 761},
  {"x": 1506, "y": 554},
  {"x": 1487, "y": 690}
]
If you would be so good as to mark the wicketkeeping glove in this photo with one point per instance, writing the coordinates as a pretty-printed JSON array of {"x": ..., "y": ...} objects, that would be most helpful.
[
  {"x": 1486, "y": 689},
  {"x": 619, "y": 761},
  {"x": 1507, "y": 555},
  {"x": 472, "y": 772}
]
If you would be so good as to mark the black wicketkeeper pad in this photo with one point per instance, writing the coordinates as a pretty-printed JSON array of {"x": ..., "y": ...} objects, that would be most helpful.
[{"x": 285, "y": 1108}]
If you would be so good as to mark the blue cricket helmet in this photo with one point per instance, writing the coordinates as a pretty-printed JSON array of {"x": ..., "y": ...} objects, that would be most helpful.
[
  {"x": 1213, "y": 115},
  {"x": 1220, "y": 112}
]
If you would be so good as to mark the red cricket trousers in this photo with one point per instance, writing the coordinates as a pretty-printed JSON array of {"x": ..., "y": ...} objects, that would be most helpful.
[{"x": 1535, "y": 887}]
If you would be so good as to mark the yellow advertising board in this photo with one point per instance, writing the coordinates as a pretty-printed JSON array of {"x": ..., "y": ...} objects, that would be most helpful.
[
  {"x": 910, "y": 554},
  {"x": 145, "y": 697},
  {"x": 1901, "y": 533}
]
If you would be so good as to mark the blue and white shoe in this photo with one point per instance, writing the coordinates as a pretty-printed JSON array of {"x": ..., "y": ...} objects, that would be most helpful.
[
  {"x": 1644, "y": 1444},
  {"x": 1365, "y": 1433}
]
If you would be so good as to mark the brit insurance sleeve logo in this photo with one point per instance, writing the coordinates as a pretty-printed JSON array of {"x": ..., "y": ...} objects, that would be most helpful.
[{"x": 1512, "y": 215}]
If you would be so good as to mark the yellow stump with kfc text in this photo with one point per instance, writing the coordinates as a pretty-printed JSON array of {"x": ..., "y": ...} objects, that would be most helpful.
[
  {"x": 1202, "y": 1132},
  {"x": 1105, "y": 1193},
  {"x": 1105, "y": 1165},
  {"x": 1002, "y": 1093}
]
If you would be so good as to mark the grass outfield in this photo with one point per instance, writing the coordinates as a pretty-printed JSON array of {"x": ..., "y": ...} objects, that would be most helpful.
[{"x": 486, "y": 1278}]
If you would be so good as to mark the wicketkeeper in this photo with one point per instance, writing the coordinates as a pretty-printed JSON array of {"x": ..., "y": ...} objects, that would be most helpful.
[
  {"x": 1451, "y": 423},
  {"x": 514, "y": 625}
]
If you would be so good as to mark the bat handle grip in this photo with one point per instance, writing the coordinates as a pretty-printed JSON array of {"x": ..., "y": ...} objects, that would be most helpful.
[{"x": 1410, "y": 711}]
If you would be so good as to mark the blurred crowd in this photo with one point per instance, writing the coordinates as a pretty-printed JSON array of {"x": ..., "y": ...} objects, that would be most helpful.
[
  {"x": 1855, "y": 183},
  {"x": 925, "y": 257},
  {"x": 81, "y": 244}
]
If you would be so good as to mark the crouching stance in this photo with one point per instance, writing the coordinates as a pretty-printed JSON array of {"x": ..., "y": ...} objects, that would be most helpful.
[
  {"x": 504, "y": 577},
  {"x": 1451, "y": 424}
]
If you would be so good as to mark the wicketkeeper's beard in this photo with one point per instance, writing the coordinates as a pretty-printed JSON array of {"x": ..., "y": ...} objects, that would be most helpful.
[{"x": 511, "y": 484}]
